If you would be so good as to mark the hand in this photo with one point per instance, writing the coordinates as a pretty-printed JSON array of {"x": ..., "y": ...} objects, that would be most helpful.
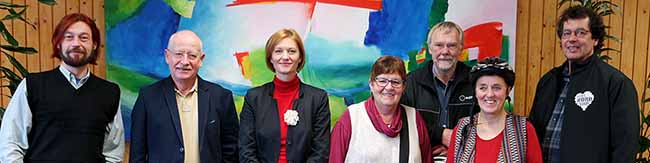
[
  {"x": 439, "y": 150},
  {"x": 446, "y": 136}
]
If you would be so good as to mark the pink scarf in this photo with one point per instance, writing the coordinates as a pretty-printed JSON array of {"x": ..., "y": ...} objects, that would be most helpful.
[{"x": 378, "y": 123}]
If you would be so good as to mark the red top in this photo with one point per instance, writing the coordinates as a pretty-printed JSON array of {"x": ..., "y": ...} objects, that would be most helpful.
[
  {"x": 284, "y": 93},
  {"x": 342, "y": 133},
  {"x": 488, "y": 150}
]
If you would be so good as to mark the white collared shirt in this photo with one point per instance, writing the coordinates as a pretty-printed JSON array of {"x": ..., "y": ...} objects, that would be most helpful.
[{"x": 76, "y": 83}]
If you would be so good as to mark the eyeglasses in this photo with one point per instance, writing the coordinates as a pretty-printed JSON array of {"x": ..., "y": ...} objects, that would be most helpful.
[
  {"x": 383, "y": 82},
  {"x": 580, "y": 33},
  {"x": 191, "y": 55},
  {"x": 480, "y": 66}
]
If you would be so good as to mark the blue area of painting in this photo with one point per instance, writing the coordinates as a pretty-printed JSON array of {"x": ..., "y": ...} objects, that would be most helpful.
[
  {"x": 237, "y": 89},
  {"x": 399, "y": 27},
  {"x": 138, "y": 43},
  {"x": 209, "y": 21},
  {"x": 340, "y": 68},
  {"x": 126, "y": 120}
]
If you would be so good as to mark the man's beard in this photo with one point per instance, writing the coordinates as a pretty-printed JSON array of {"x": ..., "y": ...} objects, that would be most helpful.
[{"x": 82, "y": 61}]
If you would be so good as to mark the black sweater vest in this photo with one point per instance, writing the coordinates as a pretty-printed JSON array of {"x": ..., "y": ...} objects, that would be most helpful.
[{"x": 68, "y": 124}]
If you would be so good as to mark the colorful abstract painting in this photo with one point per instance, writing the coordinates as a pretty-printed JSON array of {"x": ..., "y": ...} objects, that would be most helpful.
[{"x": 342, "y": 39}]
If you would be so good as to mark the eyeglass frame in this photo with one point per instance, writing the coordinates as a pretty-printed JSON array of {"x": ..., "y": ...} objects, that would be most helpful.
[
  {"x": 182, "y": 54},
  {"x": 395, "y": 83},
  {"x": 579, "y": 33}
]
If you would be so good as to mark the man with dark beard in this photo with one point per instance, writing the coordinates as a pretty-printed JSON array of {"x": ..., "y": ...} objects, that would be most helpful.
[{"x": 66, "y": 114}]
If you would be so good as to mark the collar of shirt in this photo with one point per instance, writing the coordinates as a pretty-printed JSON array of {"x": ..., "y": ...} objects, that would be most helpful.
[
  {"x": 435, "y": 75},
  {"x": 194, "y": 87},
  {"x": 76, "y": 83}
]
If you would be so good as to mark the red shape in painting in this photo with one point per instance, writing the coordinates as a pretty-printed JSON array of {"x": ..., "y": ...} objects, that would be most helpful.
[
  {"x": 240, "y": 59},
  {"x": 487, "y": 37},
  {"x": 368, "y": 4}
]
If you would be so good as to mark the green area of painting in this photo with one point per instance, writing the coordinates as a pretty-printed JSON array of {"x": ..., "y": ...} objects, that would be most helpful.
[
  {"x": 438, "y": 10},
  {"x": 505, "y": 46},
  {"x": 135, "y": 80},
  {"x": 260, "y": 74},
  {"x": 239, "y": 103},
  {"x": 182, "y": 7},
  {"x": 119, "y": 10},
  {"x": 130, "y": 82},
  {"x": 337, "y": 78},
  {"x": 337, "y": 107}
]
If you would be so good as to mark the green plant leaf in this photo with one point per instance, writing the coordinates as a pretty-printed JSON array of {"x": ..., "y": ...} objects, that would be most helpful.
[
  {"x": 11, "y": 5},
  {"x": 18, "y": 15},
  {"x": 7, "y": 35},
  {"x": 607, "y": 5},
  {"x": 610, "y": 49},
  {"x": 586, "y": 3},
  {"x": 14, "y": 15},
  {"x": 605, "y": 57},
  {"x": 641, "y": 160},
  {"x": 13, "y": 78},
  {"x": 605, "y": 13},
  {"x": 2, "y": 112},
  {"x": 644, "y": 144},
  {"x": 646, "y": 100},
  {"x": 571, "y": 3},
  {"x": 24, "y": 50},
  {"x": 48, "y": 2},
  {"x": 23, "y": 71},
  {"x": 610, "y": 37}
]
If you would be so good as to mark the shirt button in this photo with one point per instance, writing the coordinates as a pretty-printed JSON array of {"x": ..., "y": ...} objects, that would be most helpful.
[
  {"x": 181, "y": 150},
  {"x": 288, "y": 142}
]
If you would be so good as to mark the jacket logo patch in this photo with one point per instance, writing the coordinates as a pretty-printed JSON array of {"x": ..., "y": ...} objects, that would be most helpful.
[
  {"x": 584, "y": 99},
  {"x": 462, "y": 98}
]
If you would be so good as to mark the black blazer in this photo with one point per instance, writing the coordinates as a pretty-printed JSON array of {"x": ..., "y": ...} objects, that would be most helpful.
[
  {"x": 308, "y": 141},
  {"x": 156, "y": 134}
]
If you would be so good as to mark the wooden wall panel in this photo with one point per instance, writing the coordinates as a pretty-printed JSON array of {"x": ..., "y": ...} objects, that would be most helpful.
[
  {"x": 641, "y": 44},
  {"x": 616, "y": 28},
  {"x": 33, "y": 61},
  {"x": 523, "y": 14},
  {"x": 534, "y": 49},
  {"x": 98, "y": 15}
]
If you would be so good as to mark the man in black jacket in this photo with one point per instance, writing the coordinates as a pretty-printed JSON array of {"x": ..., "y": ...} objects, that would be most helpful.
[
  {"x": 441, "y": 90},
  {"x": 585, "y": 110}
]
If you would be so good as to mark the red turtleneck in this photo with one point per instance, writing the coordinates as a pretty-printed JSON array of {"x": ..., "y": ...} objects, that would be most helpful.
[{"x": 284, "y": 93}]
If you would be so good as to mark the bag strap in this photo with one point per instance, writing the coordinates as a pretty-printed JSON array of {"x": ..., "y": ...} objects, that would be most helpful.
[{"x": 404, "y": 138}]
